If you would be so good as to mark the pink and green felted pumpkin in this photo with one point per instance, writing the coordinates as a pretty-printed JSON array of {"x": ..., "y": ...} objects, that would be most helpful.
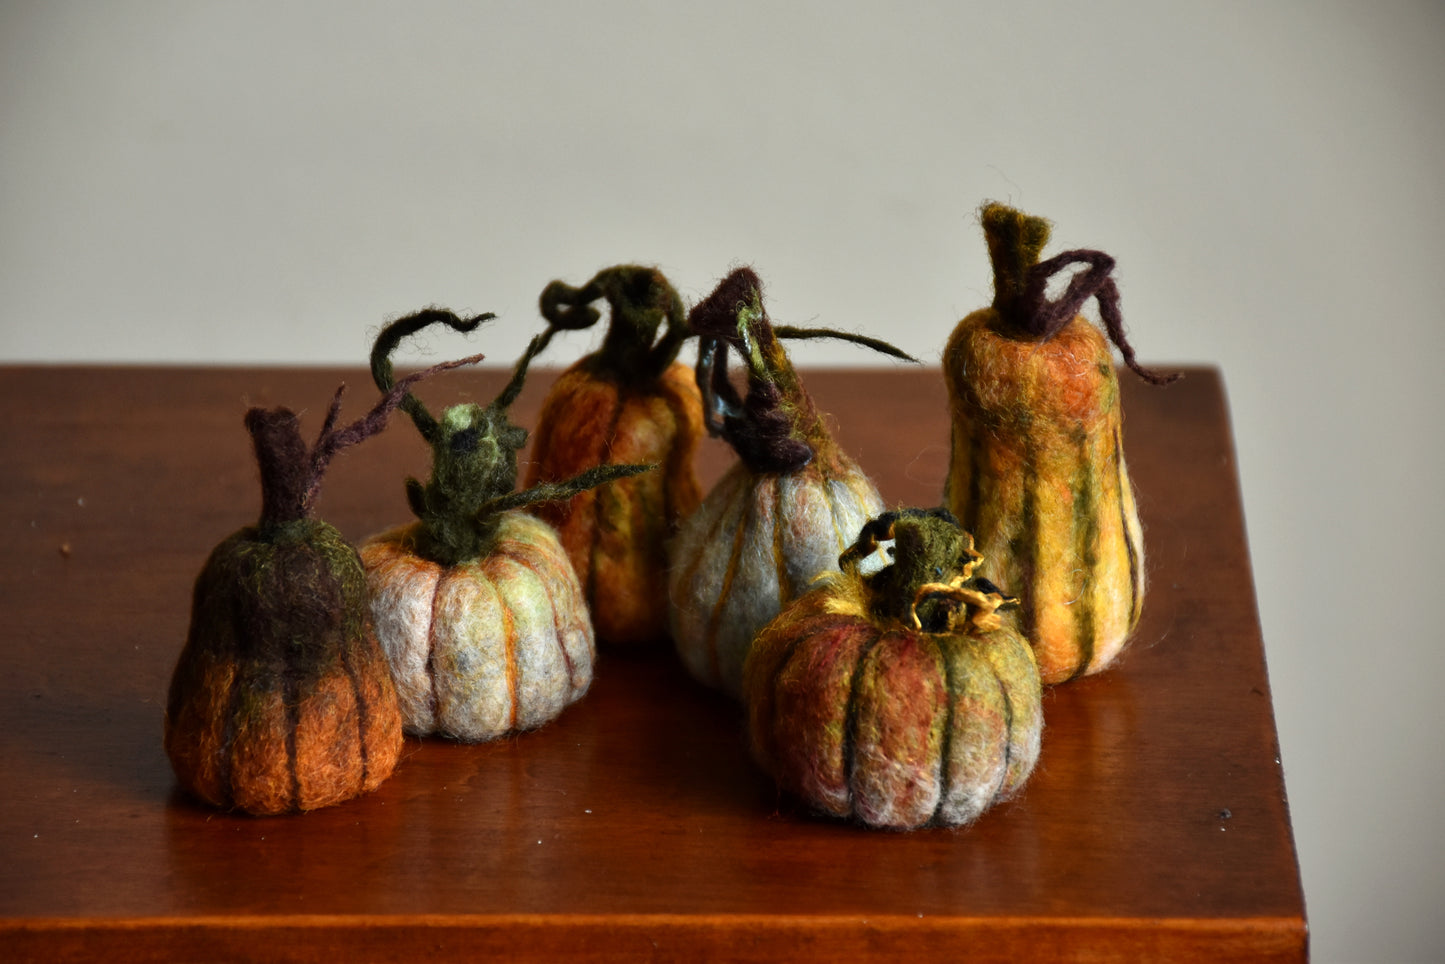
[
  {"x": 476, "y": 604},
  {"x": 631, "y": 401},
  {"x": 898, "y": 698},
  {"x": 782, "y": 514},
  {"x": 1037, "y": 470},
  {"x": 281, "y": 699}
]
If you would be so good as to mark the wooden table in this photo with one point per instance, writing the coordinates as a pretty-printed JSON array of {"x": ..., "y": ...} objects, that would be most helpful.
[{"x": 635, "y": 826}]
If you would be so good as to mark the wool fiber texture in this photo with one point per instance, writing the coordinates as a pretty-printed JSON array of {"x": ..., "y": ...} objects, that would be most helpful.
[
  {"x": 780, "y": 517},
  {"x": 1038, "y": 475},
  {"x": 616, "y": 536},
  {"x": 476, "y": 604},
  {"x": 868, "y": 717},
  {"x": 1037, "y": 470},
  {"x": 487, "y": 647},
  {"x": 757, "y": 542},
  {"x": 281, "y": 699}
]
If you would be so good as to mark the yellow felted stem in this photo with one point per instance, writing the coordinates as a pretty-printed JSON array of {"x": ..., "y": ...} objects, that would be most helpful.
[{"x": 1037, "y": 474}]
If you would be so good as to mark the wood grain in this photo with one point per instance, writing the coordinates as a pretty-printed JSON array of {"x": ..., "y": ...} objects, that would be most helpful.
[{"x": 634, "y": 826}]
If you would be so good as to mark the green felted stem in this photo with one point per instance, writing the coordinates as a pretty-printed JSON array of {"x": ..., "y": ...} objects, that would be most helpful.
[
  {"x": 290, "y": 473},
  {"x": 640, "y": 300},
  {"x": 930, "y": 549},
  {"x": 1015, "y": 241},
  {"x": 474, "y": 464},
  {"x": 393, "y": 335}
]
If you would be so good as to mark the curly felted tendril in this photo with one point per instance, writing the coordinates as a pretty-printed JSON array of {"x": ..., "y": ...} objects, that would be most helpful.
[
  {"x": 628, "y": 401},
  {"x": 776, "y": 428},
  {"x": 474, "y": 453},
  {"x": 476, "y": 604},
  {"x": 1021, "y": 285},
  {"x": 641, "y": 301}
]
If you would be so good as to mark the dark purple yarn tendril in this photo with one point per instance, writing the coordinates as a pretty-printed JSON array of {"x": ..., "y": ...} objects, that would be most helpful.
[
  {"x": 763, "y": 436},
  {"x": 1041, "y": 318},
  {"x": 716, "y": 316},
  {"x": 759, "y": 427}
]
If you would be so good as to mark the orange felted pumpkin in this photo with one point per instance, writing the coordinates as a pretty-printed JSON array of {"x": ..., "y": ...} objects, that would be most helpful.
[
  {"x": 897, "y": 698},
  {"x": 476, "y": 604},
  {"x": 1037, "y": 470},
  {"x": 629, "y": 402},
  {"x": 782, "y": 513},
  {"x": 281, "y": 699}
]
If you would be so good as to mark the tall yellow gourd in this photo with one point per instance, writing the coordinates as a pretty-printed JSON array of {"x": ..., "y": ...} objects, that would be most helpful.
[{"x": 1037, "y": 470}]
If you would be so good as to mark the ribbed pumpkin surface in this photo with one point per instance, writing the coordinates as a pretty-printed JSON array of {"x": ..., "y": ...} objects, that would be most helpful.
[
  {"x": 757, "y": 542},
  {"x": 616, "y": 535},
  {"x": 281, "y": 699},
  {"x": 887, "y": 724},
  {"x": 1038, "y": 475},
  {"x": 482, "y": 648}
]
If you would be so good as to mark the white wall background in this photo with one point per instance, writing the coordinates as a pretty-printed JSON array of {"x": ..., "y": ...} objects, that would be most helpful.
[{"x": 253, "y": 182}]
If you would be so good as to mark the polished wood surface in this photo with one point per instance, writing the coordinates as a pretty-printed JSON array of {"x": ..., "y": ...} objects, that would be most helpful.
[{"x": 635, "y": 826}]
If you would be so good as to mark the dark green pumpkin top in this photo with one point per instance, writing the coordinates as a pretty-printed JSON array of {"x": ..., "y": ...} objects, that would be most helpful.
[
  {"x": 929, "y": 584},
  {"x": 641, "y": 302},
  {"x": 474, "y": 453}
]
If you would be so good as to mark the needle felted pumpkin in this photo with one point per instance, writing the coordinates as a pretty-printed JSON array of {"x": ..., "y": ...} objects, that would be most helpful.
[
  {"x": 629, "y": 402},
  {"x": 281, "y": 699},
  {"x": 1037, "y": 470},
  {"x": 898, "y": 698},
  {"x": 782, "y": 513},
  {"x": 476, "y": 604}
]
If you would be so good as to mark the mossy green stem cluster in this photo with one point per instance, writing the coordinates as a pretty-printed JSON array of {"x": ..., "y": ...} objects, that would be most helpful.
[{"x": 474, "y": 453}]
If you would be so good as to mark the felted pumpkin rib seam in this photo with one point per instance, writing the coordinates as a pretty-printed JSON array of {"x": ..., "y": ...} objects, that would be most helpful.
[
  {"x": 431, "y": 647},
  {"x": 290, "y": 704},
  {"x": 729, "y": 574},
  {"x": 557, "y": 632},
  {"x": 597, "y": 497},
  {"x": 777, "y": 682},
  {"x": 1087, "y": 546},
  {"x": 228, "y": 739},
  {"x": 850, "y": 717},
  {"x": 1124, "y": 524},
  {"x": 361, "y": 712},
  {"x": 945, "y": 751},
  {"x": 509, "y": 653}
]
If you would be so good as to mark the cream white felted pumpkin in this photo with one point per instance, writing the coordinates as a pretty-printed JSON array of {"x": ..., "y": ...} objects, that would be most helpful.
[
  {"x": 476, "y": 604},
  {"x": 782, "y": 514}
]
